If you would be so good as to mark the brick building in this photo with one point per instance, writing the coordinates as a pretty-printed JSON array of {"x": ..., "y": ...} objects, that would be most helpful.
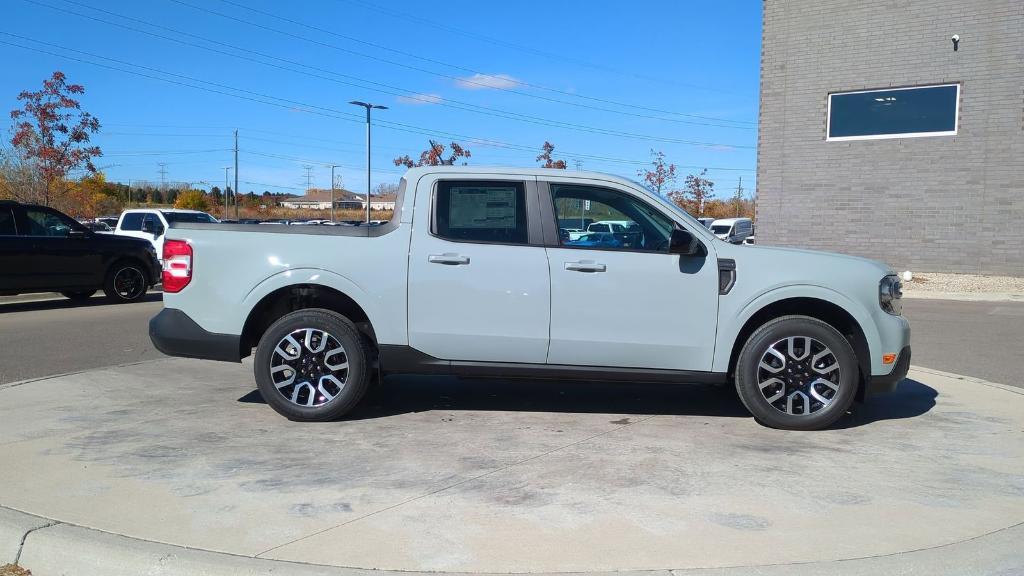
[{"x": 878, "y": 139}]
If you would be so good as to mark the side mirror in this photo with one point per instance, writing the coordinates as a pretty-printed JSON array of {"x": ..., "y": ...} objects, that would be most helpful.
[
  {"x": 684, "y": 243},
  {"x": 147, "y": 227}
]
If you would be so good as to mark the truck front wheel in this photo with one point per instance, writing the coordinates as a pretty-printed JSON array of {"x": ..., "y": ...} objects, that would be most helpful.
[
  {"x": 797, "y": 373},
  {"x": 311, "y": 366}
]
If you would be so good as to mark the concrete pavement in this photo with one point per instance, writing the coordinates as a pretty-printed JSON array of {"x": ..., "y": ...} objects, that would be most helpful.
[{"x": 435, "y": 474}]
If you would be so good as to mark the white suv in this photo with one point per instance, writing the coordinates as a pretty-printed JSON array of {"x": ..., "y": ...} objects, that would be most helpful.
[{"x": 151, "y": 224}]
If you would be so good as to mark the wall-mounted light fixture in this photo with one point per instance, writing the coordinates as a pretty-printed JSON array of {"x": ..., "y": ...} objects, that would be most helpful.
[{"x": 956, "y": 42}]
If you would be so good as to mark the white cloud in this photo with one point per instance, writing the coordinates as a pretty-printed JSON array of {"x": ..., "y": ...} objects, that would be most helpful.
[
  {"x": 420, "y": 99},
  {"x": 487, "y": 82}
]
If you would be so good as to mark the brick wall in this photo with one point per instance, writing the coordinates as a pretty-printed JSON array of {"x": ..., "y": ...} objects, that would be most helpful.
[{"x": 945, "y": 203}]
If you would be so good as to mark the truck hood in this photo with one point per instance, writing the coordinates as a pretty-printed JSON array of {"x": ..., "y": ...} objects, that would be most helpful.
[
  {"x": 804, "y": 256},
  {"x": 772, "y": 267}
]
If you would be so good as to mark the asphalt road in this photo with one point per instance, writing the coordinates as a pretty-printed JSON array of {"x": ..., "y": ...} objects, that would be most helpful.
[
  {"x": 56, "y": 336},
  {"x": 980, "y": 339}
]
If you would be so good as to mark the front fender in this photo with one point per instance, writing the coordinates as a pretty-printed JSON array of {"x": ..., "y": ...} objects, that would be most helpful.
[{"x": 732, "y": 318}]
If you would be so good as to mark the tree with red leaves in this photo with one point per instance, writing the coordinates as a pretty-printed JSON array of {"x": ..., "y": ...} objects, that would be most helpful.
[
  {"x": 52, "y": 132},
  {"x": 545, "y": 156},
  {"x": 435, "y": 156},
  {"x": 659, "y": 177},
  {"x": 699, "y": 188}
]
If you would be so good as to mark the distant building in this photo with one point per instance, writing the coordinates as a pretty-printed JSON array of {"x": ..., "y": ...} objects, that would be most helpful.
[
  {"x": 321, "y": 200},
  {"x": 881, "y": 136}
]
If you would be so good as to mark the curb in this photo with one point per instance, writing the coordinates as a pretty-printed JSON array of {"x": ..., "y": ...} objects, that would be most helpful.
[
  {"x": 46, "y": 547},
  {"x": 965, "y": 296}
]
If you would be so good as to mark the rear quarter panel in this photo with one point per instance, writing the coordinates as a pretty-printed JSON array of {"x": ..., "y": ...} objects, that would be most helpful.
[{"x": 233, "y": 270}]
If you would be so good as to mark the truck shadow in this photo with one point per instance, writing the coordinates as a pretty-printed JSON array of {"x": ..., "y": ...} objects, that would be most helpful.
[
  {"x": 409, "y": 394},
  {"x": 64, "y": 303}
]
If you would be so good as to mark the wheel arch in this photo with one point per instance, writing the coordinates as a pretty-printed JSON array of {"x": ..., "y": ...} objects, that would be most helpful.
[
  {"x": 822, "y": 308},
  {"x": 299, "y": 296}
]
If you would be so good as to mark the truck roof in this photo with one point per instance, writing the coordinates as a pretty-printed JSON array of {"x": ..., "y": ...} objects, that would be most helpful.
[{"x": 415, "y": 173}]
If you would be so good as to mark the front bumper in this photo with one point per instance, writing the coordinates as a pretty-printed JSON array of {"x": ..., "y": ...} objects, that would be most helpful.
[
  {"x": 176, "y": 334},
  {"x": 888, "y": 382}
]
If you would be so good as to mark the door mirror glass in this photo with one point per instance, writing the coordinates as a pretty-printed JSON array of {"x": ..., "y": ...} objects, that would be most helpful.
[
  {"x": 684, "y": 243},
  {"x": 148, "y": 227}
]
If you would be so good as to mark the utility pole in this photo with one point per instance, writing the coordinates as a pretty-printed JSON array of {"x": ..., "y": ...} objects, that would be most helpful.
[
  {"x": 226, "y": 186},
  {"x": 333, "y": 166},
  {"x": 368, "y": 107},
  {"x": 309, "y": 177},
  {"x": 579, "y": 165},
  {"x": 739, "y": 196},
  {"x": 163, "y": 176},
  {"x": 235, "y": 191}
]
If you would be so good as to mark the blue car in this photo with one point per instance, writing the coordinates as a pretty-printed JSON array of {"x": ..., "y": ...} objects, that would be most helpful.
[{"x": 596, "y": 240}]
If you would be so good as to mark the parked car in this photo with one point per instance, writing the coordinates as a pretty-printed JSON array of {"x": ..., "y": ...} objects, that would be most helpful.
[
  {"x": 598, "y": 239},
  {"x": 97, "y": 227},
  {"x": 609, "y": 226},
  {"x": 733, "y": 230},
  {"x": 108, "y": 220},
  {"x": 150, "y": 224},
  {"x": 472, "y": 277},
  {"x": 43, "y": 250}
]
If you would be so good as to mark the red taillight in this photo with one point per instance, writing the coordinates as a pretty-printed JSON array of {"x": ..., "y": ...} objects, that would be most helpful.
[{"x": 177, "y": 265}]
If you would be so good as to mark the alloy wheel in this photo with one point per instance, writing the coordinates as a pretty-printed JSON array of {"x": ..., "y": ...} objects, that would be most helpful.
[
  {"x": 309, "y": 367},
  {"x": 799, "y": 375}
]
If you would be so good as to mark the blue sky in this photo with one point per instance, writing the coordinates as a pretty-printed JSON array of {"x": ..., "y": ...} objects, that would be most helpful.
[{"x": 606, "y": 82}]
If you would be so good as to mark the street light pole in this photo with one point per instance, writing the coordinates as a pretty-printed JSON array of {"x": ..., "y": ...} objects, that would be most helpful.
[
  {"x": 333, "y": 166},
  {"x": 225, "y": 210},
  {"x": 368, "y": 107},
  {"x": 235, "y": 191}
]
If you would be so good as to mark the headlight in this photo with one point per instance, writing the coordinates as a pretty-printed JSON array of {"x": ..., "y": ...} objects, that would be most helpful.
[{"x": 890, "y": 294}]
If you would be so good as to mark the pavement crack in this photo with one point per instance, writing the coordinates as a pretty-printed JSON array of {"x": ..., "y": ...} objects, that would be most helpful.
[
  {"x": 460, "y": 483},
  {"x": 21, "y": 545}
]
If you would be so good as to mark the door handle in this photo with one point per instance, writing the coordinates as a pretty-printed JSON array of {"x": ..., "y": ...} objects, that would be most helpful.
[
  {"x": 449, "y": 259},
  {"x": 585, "y": 266}
]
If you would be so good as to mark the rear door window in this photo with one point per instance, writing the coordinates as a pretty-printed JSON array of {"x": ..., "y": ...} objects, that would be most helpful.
[
  {"x": 7, "y": 227},
  {"x": 481, "y": 211},
  {"x": 132, "y": 221}
]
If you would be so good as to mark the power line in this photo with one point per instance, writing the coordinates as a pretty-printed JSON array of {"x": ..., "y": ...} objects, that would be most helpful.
[
  {"x": 431, "y": 72},
  {"x": 381, "y": 87},
  {"x": 527, "y": 49},
  {"x": 287, "y": 104}
]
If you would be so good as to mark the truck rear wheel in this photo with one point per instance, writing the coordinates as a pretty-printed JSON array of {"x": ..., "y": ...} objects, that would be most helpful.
[
  {"x": 797, "y": 373},
  {"x": 311, "y": 365}
]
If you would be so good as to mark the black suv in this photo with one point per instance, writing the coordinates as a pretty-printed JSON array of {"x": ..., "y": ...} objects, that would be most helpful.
[{"x": 43, "y": 250}]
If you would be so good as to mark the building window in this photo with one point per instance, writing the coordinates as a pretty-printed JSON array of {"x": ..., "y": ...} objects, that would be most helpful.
[{"x": 894, "y": 113}]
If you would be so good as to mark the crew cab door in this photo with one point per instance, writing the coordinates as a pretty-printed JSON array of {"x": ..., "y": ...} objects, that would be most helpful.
[
  {"x": 620, "y": 299},
  {"x": 478, "y": 272}
]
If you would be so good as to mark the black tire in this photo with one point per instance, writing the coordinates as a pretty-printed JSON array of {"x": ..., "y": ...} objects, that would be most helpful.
[
  {"x": 355, "y": 378},
  {"x": 79, "y": 295},
  {"x": 126, "y": 282},
  {"x": 750, "y": 375}
]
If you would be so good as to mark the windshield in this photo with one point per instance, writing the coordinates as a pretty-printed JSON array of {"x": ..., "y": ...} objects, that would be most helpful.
[
  {"x": 721, "y": 229},
  {"x": 188, "y": 217}
]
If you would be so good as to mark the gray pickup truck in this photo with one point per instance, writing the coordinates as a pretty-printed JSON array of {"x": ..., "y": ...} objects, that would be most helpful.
[{"x": 474, "y": 276}]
